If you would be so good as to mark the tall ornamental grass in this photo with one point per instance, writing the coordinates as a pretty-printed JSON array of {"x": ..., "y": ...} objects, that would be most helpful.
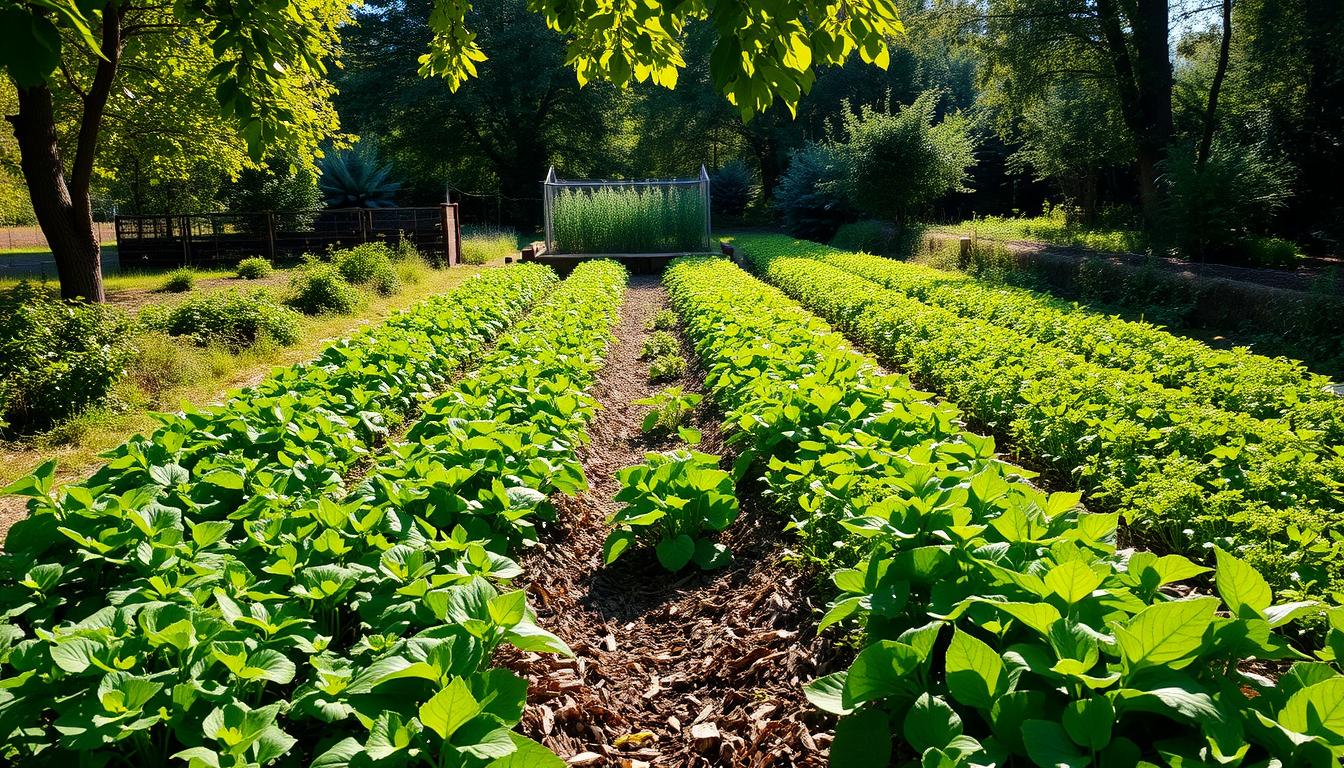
[{"x": 626, "y": 220}]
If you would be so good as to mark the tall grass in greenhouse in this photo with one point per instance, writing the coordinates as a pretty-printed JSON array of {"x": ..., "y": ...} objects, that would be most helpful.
[{"x": 625, "y": 220}]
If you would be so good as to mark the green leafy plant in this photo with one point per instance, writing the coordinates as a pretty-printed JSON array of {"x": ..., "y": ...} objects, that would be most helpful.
[
  {"x": 660, "y": 344},
  {"x": 668, "y": 409},
  {"x": 670, "y": 501},
  {"x": 319, "y": 289},
  {"x": 231, "y": 318},
  {"x": 664, "y": 320},
  {"x": 57, "y": 358},
  {"x": 481, "y": 245},
  {"x": 254, "y": 268},
  {"x": 179, "y": 281},
  {"x": 668, "y": 367},
  {"x": 369, "y": 264}
]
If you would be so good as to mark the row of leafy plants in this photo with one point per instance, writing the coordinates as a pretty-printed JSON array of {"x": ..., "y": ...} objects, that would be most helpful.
[
  {"x": 997, "y": 624},
  {"x": 1185, "y": 473},
  {"x": 1235, "y": 380},
  {"x": 215, "y": 584}
]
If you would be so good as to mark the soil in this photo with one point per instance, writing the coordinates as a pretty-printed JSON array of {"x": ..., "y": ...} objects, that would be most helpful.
[{"x": 688, "y": 669}]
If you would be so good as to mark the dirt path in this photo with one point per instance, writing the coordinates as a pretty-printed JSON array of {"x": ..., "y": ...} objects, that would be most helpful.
[{"x": 693, "y": 669}]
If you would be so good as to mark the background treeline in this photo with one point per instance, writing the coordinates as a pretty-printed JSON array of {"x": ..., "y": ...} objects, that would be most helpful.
[{"x": 1009, "y": 107}]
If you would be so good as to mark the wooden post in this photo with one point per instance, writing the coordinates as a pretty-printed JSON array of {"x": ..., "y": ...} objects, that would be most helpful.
[
  {"x": 964, "y": 254},
  {"x": 270, "y": 236}
]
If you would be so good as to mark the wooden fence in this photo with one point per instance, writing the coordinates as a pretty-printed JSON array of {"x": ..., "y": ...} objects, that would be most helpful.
[{"x": 206, "y": 238}]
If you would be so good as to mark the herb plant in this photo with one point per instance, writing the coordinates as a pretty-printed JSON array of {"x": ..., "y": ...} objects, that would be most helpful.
[
  {"x": 671, "y": 500},
  {"x": 668, "y": 409},
  {"x": 667, "y": 367}
]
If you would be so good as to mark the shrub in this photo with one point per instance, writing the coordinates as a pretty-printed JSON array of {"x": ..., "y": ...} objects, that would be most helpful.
[
  {"x": 894, "y": 165},
  {"x": 668, "y": 410},
  {"x": 1269, "y": 252},
  {"x": 806, "y": 198},
  {"x": 659, "y": 344},
  {"x": 254, "y": 268},
  {"x": 1211, "y": 211},
  {"x": 404, "y": 250},
  {"x": 179, "y": 281},
  {"x": 57, "y": 358},
  {"x": 319, "y": 289},
  {"x": 665, "y": 320},
  {"x": 732, "y": 189},
  {"x": 230, "y": 318},
  {"x": 368, "y": 264},
  {"x": 485, "y": 244},
  {"x": 667, "y": 368}
]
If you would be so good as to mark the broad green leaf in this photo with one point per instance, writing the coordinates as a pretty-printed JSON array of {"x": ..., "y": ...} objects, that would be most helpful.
[
  {"x": 827, "y": 693},
  {"x": 1241, "y": 586},
  {"x": 1050, "y": 747},
  {"x": 1072, "y": 581},
  {"x": 449, "y": 709},
  {"x": 1088, "y": 722},
  {"x": 1317, "y": 710},
  {"x": 879, "y": 671},
  {"x": 527, "y": 754},
  {"x": 862, "y": 740},
  {"x": 931, "y": 724},
  {"x": 1165, "y": 633},
  {"x": 676, "y": 552},
  {"x": 975, "y": 673}
]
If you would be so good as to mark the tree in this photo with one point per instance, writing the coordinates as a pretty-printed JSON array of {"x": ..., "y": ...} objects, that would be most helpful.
[{"x": 267, "y": 51}]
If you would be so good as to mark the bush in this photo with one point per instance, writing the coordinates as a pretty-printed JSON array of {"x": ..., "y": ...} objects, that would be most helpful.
[
  {"x": 485, "y": 244},
  {"x": 319, "y": 289},
  {"x": 231, "y": 318},
  {"x": 665, "y": 320},
  {"x": 254, "y": 268},
  {"x": 1212, "y": 211},
  {"x": 179, "y": 281},
  {"x": 1269, "y": 252},
  {"x": 894, "y": 165},
  {"x": 659, "y": 344},
  {"x": 57, "y": 358},
  {"x": 667, "y": 367},
  {"x": 368, "y": 264},
  {"x": 807, "y": 199},
  {"x": 732, "y": 189}
]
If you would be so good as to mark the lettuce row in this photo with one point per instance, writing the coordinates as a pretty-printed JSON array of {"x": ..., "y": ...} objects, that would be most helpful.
[
  {"x": 1184, "y": 472},
  {"x": 1000, "y": 625},
  {"x": 1234, "y": 380},
  {"x": 219, "y": 628}
]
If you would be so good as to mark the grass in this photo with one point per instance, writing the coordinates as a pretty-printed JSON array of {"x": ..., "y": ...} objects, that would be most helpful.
[
  {"x": 168, "y": 373},
  {"x": 627, "y": 220},
  {"x": 481, "y": 245},
  {"x": 1051, "y": 228}
]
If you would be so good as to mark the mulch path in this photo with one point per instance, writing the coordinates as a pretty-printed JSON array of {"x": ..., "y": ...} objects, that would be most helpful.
[{"x": 689, "y": 669}]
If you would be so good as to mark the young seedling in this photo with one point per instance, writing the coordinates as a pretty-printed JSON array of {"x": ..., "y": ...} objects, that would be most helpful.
[{"x": 671, "y": 500}]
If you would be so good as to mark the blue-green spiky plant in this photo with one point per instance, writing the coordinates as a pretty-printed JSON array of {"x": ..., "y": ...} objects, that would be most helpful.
[{"x": 355, "y": 178}]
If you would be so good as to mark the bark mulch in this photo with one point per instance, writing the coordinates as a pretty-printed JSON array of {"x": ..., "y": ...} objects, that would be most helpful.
[{"x": 689, "y": 669}]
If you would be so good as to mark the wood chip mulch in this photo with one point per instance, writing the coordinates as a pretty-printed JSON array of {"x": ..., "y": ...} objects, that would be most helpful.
[{"x": 689, "y": 669}]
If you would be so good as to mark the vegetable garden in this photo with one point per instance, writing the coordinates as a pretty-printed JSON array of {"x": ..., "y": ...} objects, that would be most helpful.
[{"x": 685, "y": 521}]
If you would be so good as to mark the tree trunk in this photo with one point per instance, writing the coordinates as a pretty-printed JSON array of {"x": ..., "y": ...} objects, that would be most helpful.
[
  {"x": 67, "y": 222},
  {"x": 1211, "y": 114},
  {"x": 63, "y": 208}
]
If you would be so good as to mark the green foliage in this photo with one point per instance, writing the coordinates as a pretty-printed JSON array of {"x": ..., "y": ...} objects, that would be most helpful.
[
  {"x": 485, "y": 244},
  {"x": 668, "y": 409},
  {"x": 1182, "y": 470},
  {"x": 357, "y": 178},
  {"x": 658, "y": 344},
  {"x": 318, "y": 289},
  {"x": 732, "y": 188},
  {"x": 671, "y": 500},
  {"x": 368, "y": 264},
  {"x": 868, "y": 235},
  {"x": 807, "y": 198},
  {"x": 179, "y": 281},
  {"x": 229, "y": 318},
  {"x": 391, "y": 615},
  {"x": 667, "y": 367},
  {"x": 894, "y": 165},
  {"x": 57, "y": 358},
  {"x": 998, "y": 623},
  {"x": 629, "y": 220},
  {"x": 254, "y": 268},
  {"x": 280, "y": 184},
  {"x": 1054, "y": 226},
  {"x": 1214, "y": 209},
  {"x": 664, "y": 320}
]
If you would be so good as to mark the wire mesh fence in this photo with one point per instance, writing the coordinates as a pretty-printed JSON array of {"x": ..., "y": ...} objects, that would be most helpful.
[{"x": 626, "y": 216}]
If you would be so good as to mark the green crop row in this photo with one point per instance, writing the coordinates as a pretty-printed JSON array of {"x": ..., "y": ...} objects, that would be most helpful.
[
  {"x": 1235, "y": 380},
  {"x": 1184, "y": 472},
  {"x": 999, "y": 624},
  {"x": 230, "y": 623}
]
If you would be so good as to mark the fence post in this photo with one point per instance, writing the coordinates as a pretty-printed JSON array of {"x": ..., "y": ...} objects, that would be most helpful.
[
  {"x": 185, "y": 226},
  {"x": 270, "y": 236}
]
